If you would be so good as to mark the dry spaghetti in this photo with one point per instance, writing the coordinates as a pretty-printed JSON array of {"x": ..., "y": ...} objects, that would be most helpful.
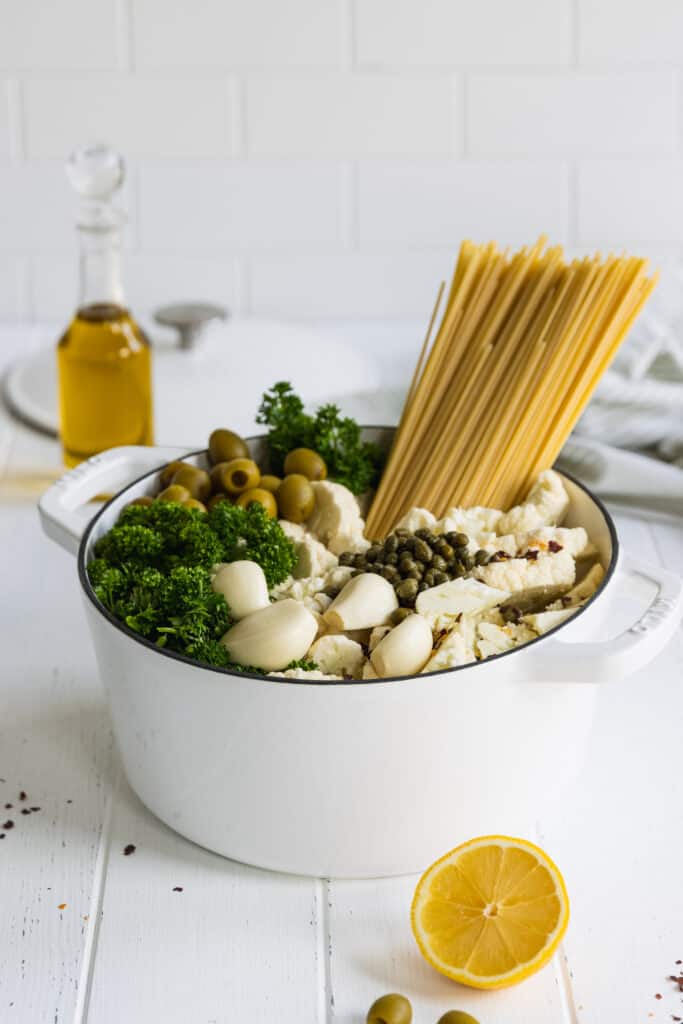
[{"x": 522, "y": 343}]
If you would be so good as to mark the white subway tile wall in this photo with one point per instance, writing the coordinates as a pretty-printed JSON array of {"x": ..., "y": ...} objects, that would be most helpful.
[{"x": 326, "y": 157}]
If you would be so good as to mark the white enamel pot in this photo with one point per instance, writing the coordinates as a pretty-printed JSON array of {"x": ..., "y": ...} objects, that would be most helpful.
[{"x": 355, "y": 779}]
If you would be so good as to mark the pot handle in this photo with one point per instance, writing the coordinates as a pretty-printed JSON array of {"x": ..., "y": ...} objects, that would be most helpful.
[
  {"x": 60, "y": 507},
  {"x": 602, "y": 661}
]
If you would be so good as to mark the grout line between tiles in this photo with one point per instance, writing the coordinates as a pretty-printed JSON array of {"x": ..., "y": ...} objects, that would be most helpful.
[{"x": 96, "y": 907}]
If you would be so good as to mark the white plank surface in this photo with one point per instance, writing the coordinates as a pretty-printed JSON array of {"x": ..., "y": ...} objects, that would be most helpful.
[{"x": 244, "y": 945}]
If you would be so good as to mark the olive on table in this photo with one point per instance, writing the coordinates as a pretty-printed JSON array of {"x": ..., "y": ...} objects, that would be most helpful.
[
  {"x": 295, "y": 498},
  {"x": 174, "y": 492},
  {"x": 225, "y": 445},
  {"x": 259, "y": 496},
  {"x": 194, "y": 503},
  {"x": 390, "y": 1009},
  {"x": 196, "y": 480},
  {"x": 270, "y": 482},
  {"x": 216, "y": 500},
  {"x": 240, "y": 475},
  {"x": 457, "y": 1017},
  {"x": 144, "y": 499},
  {"x": 307, "y": 462},
  {"x": 166, "y": 474}
]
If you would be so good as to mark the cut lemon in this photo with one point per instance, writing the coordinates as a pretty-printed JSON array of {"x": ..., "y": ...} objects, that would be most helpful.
[{"x": 491, "y": 912}]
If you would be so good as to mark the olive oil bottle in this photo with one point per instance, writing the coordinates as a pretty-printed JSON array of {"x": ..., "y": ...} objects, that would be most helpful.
[{"x": 103, "y": 357}]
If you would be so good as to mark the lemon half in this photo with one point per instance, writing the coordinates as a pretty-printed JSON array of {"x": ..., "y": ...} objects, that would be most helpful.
[{"x": 491, "y": 912}]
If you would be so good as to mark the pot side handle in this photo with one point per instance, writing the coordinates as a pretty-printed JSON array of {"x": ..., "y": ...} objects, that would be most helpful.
[
  {"x": 105, "y": 473},
  {"x": 602, "y": 661}
]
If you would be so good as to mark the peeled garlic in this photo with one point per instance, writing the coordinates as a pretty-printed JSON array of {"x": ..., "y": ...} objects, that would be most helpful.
[
  {"x": 243, "y": 585},
  {"x": 272, "y": 637},
  {"x": 405, "y": 650},
  {"x": 367, "y": 600}
]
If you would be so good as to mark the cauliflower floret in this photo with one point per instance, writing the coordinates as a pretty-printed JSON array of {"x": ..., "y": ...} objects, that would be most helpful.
[
  {"x": 293, "y": 531},
  {"x": 336, "y": 518},
  {"x": 546, "y": 505},
  {"x": 546, "y": 538},
  {"x": 300, "y": 673},
  {"x": 313, "y": 558},
  {"x": 541, "y": 622},
  {"x": 551, "y": 574},
  {"x": 457, "y": 647},
  {"x": 305, "y": 590},
  {"x": 416, "y": 519},
  {"x": 457, "y": 597},
  {"x": 479, "y": 523},
  {"x": 338, "y": 655},
  {"x": 495, "y": 639}
]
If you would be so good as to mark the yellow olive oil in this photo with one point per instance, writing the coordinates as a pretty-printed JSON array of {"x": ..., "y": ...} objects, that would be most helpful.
[
  {"x": 103, "y": 358},
  {"x": 105, "y": 392}
]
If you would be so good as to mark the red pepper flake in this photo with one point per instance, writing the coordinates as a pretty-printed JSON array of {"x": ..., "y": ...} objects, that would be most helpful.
[
  {"x": 8, "y": 807},
  {"x": 177, "y": 888},
  {"x": 679, "y": 961},
  {"x": 25, "y": 810},
  {"x": 35, "y": 808},
  {"x": 554, "y": 546},
  {"x": 658, "y": 995},
  {"x": 531, "y": 555},
  {"x": 678, "y": 980},
  {"x": 61, "y": 906},
  {"x": 674, "y": 1017},
  {"x": 22, "y": 795},
  {"x": 8, "y": 824},
  {"x": 500, "y": 556},
  {"x": 127, "y": 850}
]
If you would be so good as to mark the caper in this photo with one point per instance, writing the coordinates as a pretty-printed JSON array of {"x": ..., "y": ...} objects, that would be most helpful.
[
  {"x": 239, "y": 475},
  {"x": 197, "y": 481},
  {"x": 423, "y": 533},
  {"x": 295, "y": 498},
  {"x": 194, "y": 503},
  {"x": 400, "y": 614},
  {"x": 166, "y": 474},
  {"x": 373, "y": 553},
  {"x": 307, "y": 462},
  {"x": 460, "y": 540},
  {"x": 391, "y": 558},
  {"x": 174, "y": 492},
  {"x": 439, "y": 563},
  {"x": 389, "y": 572},
  {"x": 270, "y": 482},
  {"x": 346, "y": 558},
  {"x": 259, "y": 496},
  {"x": 360, "y": 561},
  {"x": 225, "y": 445},
  {"x": 216, "y": 500},
  {"x": 412, "y": 574},
  {"x": 390, "y": 1009},
  {"x": 457, "y": 1017},
  {"x": 402, "y": 531},
  {"x": 445, "y": 550},
  {"x": 482, "y": 557},
  {"x": 422, "y": 587},
  {"x": 420, "y": 566},
  {"x": 406, "y": 564},
  {"x": 440, "y": 577},
  {"x": 467, "y": 560},
  {"x": 423, "y": 551},
  {"x": 407, "y": 590},
  {"x": 432, "y": 539},
  {"x": 144, "y": 500},
  {"x": 429, "y": 578},
  {"x": 391, "y": 543}
]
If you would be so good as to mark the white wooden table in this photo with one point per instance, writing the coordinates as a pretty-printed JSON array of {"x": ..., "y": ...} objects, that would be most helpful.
[{"x": 173, "y": 933}]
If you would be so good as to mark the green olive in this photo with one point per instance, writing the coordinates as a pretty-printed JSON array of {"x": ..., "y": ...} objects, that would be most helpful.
[
  {"x": 166, "y": 474},
  {"x": 295, "y": 498},
  {"x": 216, "y": 500},
  {"x": 307, "y": 462},
  {"x": 143, "y": 500},
  {"x": 196, "y": 480},
  {"x": 194, "y": 503},
  {"x": 391, "y": 1009},
  {"x": 174, "y": 492},
  {"x": 259, "y": 496},
  {"x": 224, "y": 445},
  {"x": 240, "y": 475},
  {"x": 270, "y": 482},
  {"x": 457, "y": 1017}
]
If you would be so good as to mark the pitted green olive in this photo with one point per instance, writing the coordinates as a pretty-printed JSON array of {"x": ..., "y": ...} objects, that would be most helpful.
[
  {"x": 390, "y": 1009},
  {"x": 259, "y": 496},
  {"x": 194, "y": 503},
  {"x": 224, "y": 445},
  {"x": 174, "y": 492},
  {"x": 216, "y": 500},
  {"x": 295, "y": 498},
  {"x": 166, "y": 474},
  {"x": 196, "y": 480},
  {"x": 457, "y": 1017},
  {"x": 142, "y": 500},
  {"x": 270, "y": 482},
  {"x": 307, "y": 462},
  {"x": 240, "y": 475}
]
